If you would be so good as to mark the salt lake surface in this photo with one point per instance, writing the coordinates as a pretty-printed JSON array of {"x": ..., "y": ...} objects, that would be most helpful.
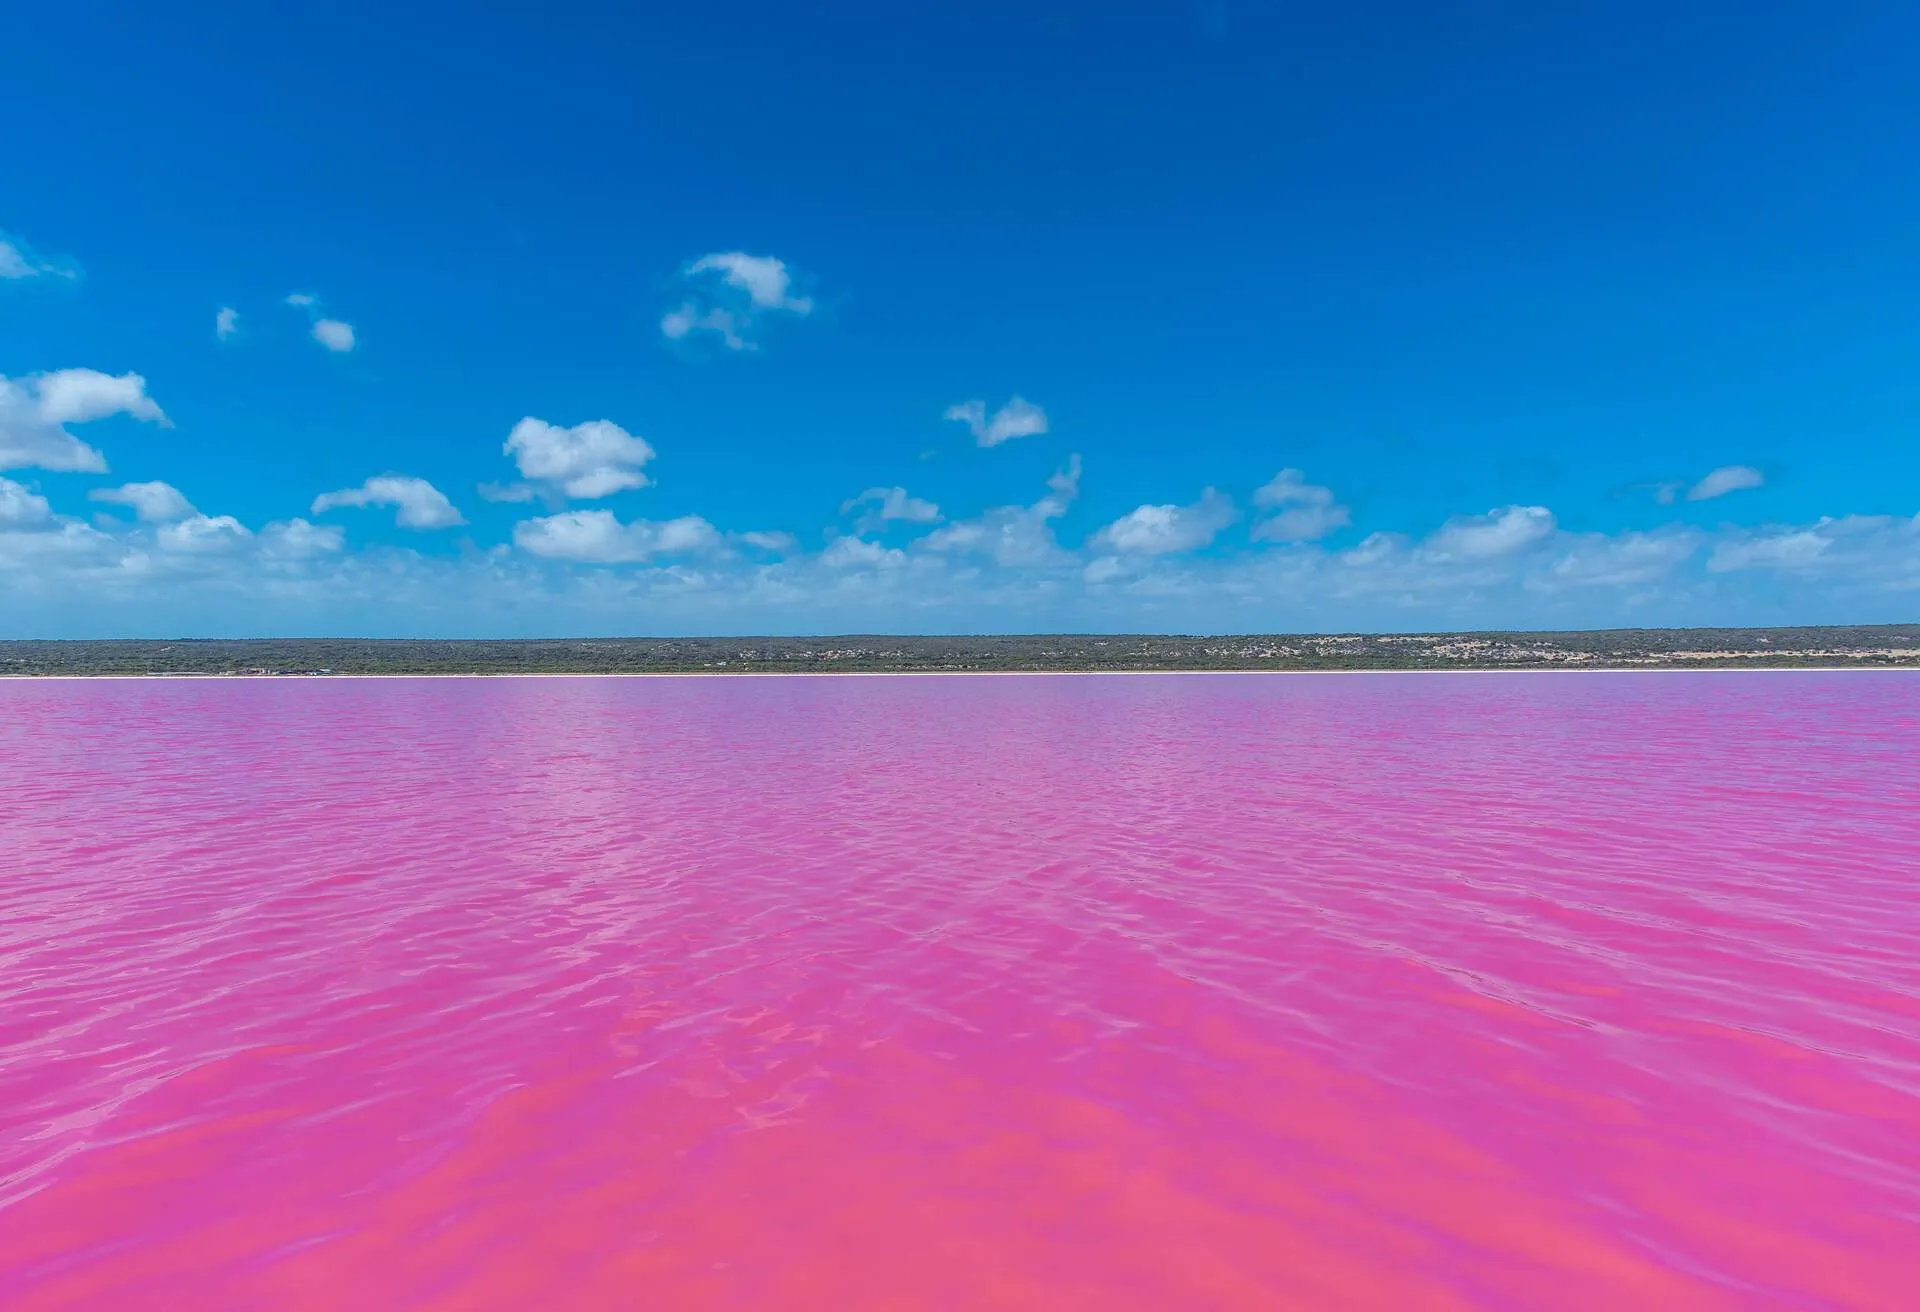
[{"x": 1501, "y": 991}]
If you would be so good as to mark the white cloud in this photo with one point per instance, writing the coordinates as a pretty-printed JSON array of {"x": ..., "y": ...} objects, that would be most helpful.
[
  {"x": 226, "y": 323},
  {"x": 597, "y": 537},
  {"x": 334, "y": 335},
  {"x": 420, "y": 504},
  {"x": 55, "y": 552},
  {"x": 1597, "y": 560},
  {"x": 34, "y": 412},
  {"x": 765, "y": 279},
  {"x": 1002, "y": 570},
  {"x": 1014, "y": 536},
  {"x": 1727, "y": 478},
  {"x": 585, "y": 462},
  {"x": 206, "y": 533},
  {"x": 19, "y": 260},
  {"x": 1306, "y": 511},
  {"x": 1374, "y": 549},
  {"x": 1492, "y": 536},
  {"x": 776, "y": 542},
  {"x": 1790, "y": 549},
  {"x": 688, "y": 319},
  {"x": 1017, "y": 418},
  {"x": 508, "y": 492},
  {"x": 297, "y": 538},
  {"x": 74, "y": 396},
  {"x": 891, "y": 504},
  {"x": 1160, "y": 530},
  {"x": 732, "y": 293},
  {"x": 20, "y": 507},
  {"x": 152, "y": 503},
  {"x": 858, "y": 553}
]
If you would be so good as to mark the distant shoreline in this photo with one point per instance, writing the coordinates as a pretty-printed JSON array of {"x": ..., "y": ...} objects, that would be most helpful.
[
  {"x": 1692, "y": 668},
  {"x": 1884, "y": 646}
]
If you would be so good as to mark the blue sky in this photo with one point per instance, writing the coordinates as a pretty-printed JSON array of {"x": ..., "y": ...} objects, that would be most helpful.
[{"x": 1216, "y": 317}]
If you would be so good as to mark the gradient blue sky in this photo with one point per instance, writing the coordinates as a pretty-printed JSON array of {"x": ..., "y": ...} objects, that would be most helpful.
[{"x": 1565, "y": 315}]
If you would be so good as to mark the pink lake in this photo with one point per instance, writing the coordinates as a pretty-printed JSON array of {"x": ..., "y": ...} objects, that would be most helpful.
[{"x": 1163, "y": 992}]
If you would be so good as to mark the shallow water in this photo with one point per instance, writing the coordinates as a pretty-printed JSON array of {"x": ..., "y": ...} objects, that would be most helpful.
[{"x": 1503, "y": 991}]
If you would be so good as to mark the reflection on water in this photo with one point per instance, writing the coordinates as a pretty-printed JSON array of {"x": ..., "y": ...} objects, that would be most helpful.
[{"x": 1163, "y": 991}]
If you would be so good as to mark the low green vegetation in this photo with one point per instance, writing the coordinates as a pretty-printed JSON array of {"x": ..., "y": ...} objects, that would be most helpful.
[{"x": 1597, "y": 649}]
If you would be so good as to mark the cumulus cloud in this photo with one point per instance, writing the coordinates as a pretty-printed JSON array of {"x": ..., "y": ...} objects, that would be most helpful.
[
  {"x": 1373, "y": 549},
  {"x": 1305, "y": 512},
  {"x": 203, "y": 533},
  {"x": 419, "y": 503},
  {"x": 859, "y": 553},
  {"x": 1785, "y": 549},
  {"x": 1014, "y": 536},
  {"x": 1596, "y": 560},
  {"x": 19, "y": 260},
  {"x": 296, "y": 538},
  {"x": 151, "y": 503},
  {"x": 732, "y": 292},
  {"x": 891, "y": 504},
  {"x": 584, "y": 462},
  {"x": 1003, "y": 569},
  {"x": 1727, "y": 478},
  {"x": 1161, "y": 530},
  {"x": 19, "y": 506},
  {"x": 766, "y": 280},
  {"x": 597, "y": 537},
  {"x": 74, "y": 396},
  {"x": 1017, "y": 418},
  {"x": 1492, "y": 536},
  {"x": 226, "y": 323},
  {"x": 35, "y": 410},
  {"x": 334, "y": 335}
]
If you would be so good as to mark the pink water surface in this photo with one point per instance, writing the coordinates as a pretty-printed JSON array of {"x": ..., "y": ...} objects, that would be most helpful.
[{"x": 1169, "y": 992}]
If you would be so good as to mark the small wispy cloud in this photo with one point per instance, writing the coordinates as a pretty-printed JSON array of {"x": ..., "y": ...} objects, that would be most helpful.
[
  {"x": 417, "y": 503},
  {"x": 18, "y": 260},
  {"x": 1727, "y": 478},
  {"x": 774, "y": 541},
  {"x": 226, "y": 323},
  {"x": 730, "y": 294},
  {"x": 336, "y": 335},
  {"x": 890, "y": 504},
  {"x": 766, "y": 280},
  {"x": 1017, "y": 418},
  {"x": 1716, "y": 483}
]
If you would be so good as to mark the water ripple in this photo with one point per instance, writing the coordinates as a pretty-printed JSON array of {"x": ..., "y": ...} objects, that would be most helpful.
[{"x": 1212, "y": 991}]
